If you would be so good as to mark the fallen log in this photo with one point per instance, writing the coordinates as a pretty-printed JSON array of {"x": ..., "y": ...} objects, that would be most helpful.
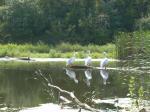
[{"x": 71, "y": 94}]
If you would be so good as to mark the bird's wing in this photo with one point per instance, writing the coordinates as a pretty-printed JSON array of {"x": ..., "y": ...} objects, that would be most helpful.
[
  {"x": 104, "y": 62},
  {"x": 88, "y": 60},
  {"x": 71, "y": 60}
]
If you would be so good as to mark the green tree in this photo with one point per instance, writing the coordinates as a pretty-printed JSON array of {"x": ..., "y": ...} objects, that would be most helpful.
[
  {"x": 124, "y": 13},
  {"x": 83, "y": 21},
  {"x": 2, "y": 2},
  {"x": 24, "y": 21}
]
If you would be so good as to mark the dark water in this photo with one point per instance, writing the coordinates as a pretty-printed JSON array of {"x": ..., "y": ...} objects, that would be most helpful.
[{"x": 21, "y": 87}]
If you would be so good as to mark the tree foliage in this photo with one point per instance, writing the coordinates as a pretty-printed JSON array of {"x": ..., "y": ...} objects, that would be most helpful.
[
  {"x": 81, "y": 21},
  {"x": 124, "y": 13},
  {"x": 2, "y": 2}
]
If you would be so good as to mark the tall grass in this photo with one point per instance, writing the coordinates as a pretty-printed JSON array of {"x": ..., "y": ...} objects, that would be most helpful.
[
  {"x": 134, "y": 47},
  {"x": 63, "y": 50},
  {"x": 133, "y": 44}
]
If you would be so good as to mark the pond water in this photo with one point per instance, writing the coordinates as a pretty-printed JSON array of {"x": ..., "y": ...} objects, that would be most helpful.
[{"x": 21, "y": 87}]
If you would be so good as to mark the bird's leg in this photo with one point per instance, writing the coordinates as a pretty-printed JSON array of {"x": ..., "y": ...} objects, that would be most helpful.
[
  {"x": 79, "y": 110},
  {"x": 61, "y": 105}
]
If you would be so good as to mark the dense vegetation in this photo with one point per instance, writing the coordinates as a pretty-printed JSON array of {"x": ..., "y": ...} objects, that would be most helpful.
[
  {"x": 76, "y": 21},
  {"x": 133, "y": 45},
  {"x": 63, "y": 50}
]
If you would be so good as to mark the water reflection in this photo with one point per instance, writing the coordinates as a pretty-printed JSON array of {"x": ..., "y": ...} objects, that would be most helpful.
[
  {"x": 18, "y": 89},
  {"x": 71, "y": 74},
  {"x": 104, "y": 75},
  {"x": 88, "y": 75}
]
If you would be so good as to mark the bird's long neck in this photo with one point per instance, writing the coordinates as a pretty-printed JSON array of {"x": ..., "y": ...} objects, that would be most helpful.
[
  {"x": 89, "y": 54},
  {"x": 74, "y": 54},
  {"x": 105, "y": 55}
]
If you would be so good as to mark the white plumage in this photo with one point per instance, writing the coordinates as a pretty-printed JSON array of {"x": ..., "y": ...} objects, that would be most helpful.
[
  {"x": 71, "y": 60},
  {"x": 104, "y": 61},
  {"x": 88, "y": 60}
]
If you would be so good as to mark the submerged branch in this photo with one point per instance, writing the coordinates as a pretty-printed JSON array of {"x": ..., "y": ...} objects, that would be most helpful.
[{"x": 71, "y": 94}]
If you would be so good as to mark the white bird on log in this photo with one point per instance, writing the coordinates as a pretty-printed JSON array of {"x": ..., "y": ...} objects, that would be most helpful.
[
  {"x": 71, "y": 60},
  {"x": 104, "y": 61},
  {"x": 88, "y": 59}
]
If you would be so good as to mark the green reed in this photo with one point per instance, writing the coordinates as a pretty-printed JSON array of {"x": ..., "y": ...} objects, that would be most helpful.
[{"x": 133, "y": 44}]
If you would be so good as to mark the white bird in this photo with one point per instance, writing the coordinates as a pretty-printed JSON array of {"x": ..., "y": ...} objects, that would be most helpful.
[
  {"x": 88, "y": 59},
  {"x": 72, "y": 75},
  {"x": 88, "y": 75},
  {"x": 104, "y": 61},
  {"x": 104, "y": 75},
  {"x": 71, "y": 60}
]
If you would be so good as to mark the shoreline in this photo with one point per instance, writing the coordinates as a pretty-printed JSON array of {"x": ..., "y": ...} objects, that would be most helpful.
[{"x": 26, "y": 59}]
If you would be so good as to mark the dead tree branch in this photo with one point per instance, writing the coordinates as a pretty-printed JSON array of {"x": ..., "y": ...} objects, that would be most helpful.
[{"x": 71, "y": 94}]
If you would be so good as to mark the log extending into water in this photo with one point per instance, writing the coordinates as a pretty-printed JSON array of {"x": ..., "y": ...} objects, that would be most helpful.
[
  {"x": 87, "y": 67},
  {"x": 136, "y": 70},
  {"x": 25, "y": 58},
  {"x": 71, "y": 94},
  {"x": 79, "y": 67},
  {"x": 91, "y": 67}
]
